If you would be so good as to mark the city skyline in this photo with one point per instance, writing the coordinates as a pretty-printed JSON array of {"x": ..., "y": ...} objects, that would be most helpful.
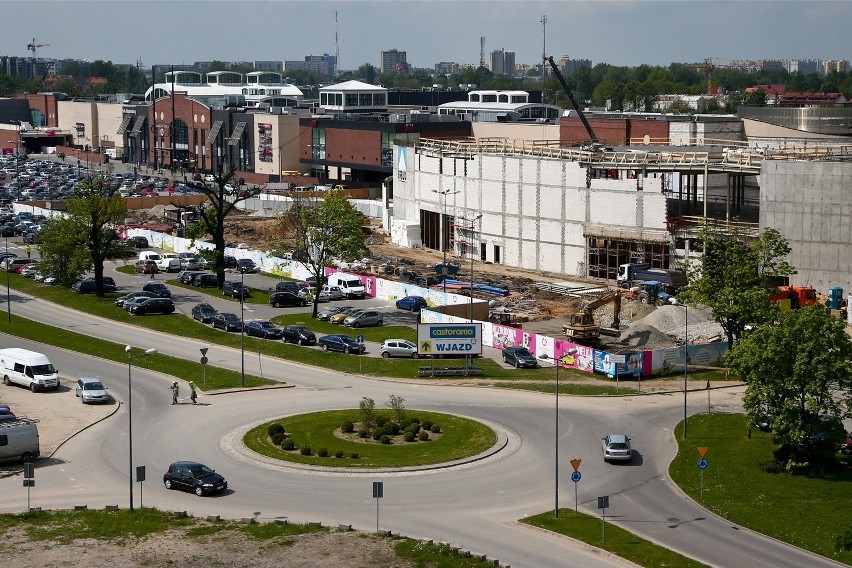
[{"x": 637, "y": 31}]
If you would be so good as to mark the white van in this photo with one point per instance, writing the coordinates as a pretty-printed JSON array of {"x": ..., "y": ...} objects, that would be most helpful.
[
  {"x": 28, "y": 368},
  {"x": 351, "y": 285},
  {"x": 19, "y": 440},
  {"x": 149, "y": 255},
  {"x": 169, "y": 262}
]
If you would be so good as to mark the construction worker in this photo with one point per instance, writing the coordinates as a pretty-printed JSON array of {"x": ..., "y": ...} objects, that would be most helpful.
[
  {"x": 193, "y": 395},
  {"x": 175, "y": 392}
]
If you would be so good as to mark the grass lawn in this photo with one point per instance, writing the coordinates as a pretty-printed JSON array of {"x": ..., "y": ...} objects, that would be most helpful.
[
  {"x": 807, "y": 511},
  {"x": 625, "y": 544},
  {"x": 460, "y": 438}
]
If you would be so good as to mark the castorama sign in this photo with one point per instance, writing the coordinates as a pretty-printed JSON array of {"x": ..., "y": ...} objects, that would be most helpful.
[{"x": 449, "y": 339}]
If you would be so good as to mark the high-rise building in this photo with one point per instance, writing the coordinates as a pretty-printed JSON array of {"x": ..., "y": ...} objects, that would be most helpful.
[
  {"x": 502, "y": 62},
  {"x": 834, "y": 65},
  {"x": 318, "y": 64},
  {"x": 446, "y": 68},
  {"x": 568, "y": 66},
  {"x": 394, "y": 60},
  {"x": 274, "y": 66}
]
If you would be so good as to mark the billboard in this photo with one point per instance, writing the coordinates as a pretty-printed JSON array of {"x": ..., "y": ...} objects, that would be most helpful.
[{"x": 449, "y": 339}]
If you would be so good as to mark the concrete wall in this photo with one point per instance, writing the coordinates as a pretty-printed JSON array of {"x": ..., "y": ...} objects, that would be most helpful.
[
  {"x": 109, "y": 119},
  {"x": 83, "y": 112},
  {"x": 810, "y": 203}
]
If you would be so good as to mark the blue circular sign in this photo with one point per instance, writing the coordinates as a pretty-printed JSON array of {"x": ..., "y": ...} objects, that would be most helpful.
[
  {"x": 575, "y": 477},
  {"x": 702, "y": 463}
]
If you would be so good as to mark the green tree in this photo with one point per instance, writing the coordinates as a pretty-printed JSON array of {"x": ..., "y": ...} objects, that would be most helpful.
[
  {"x": 367, "y": 406},
  {"x": 397, "y": 405},
  {"x": 62, "y": 251},
  {"x": 321, "y": 231},
  {"x": 799, "y": 379},
  {"x": 734, "y": 276}
]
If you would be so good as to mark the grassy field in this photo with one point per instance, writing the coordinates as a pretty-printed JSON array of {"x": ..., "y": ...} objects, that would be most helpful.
[{"x": 808, "y": 511}]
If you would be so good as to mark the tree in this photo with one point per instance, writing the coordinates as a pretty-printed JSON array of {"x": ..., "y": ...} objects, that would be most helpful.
[
  {"x": 397, "y": 405},
  {"x": 734, "y": 276},
  {"x": 367, "y": 406},
  {"x": 799, "y": 380},
  {"x": 323, "y": 230},
  {"x": 85, "y": 238}
]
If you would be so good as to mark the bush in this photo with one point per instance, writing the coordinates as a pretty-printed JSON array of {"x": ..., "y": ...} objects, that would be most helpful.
[
  {"x": 322, "y": 452},
  {"x": 363, "y": 433},
  {"x": 409, "y": 437},
  {"x": 413, "y": 428},
  {"x": 277, "y": 438},
  {"x": 288, "y": 444},
  {"x": 354, "y": 455},
  {"x": 305, "y": 450},
  {"x": 435, "y": 429},
  {"x": 844, "y": 540},
  {"x": 347, "y": 427},
  {"x": 273, "y": 429},
  {"x": 392, "y": 428},
  {"x": 427, "y": 425},
  {"x": 377, "y": 435},
  {"x": 338, "y": 454},
  {"x": 424, "y": 435},
  {"x": 381, "y": 420},
  {"x": 385, "y": 439}
]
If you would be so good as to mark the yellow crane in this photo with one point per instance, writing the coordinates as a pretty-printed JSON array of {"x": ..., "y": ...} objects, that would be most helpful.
[{"x": 582, "y": 328}]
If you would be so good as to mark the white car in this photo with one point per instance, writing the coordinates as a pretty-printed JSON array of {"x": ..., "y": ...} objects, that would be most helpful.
[{"x": 398, "y": 348}]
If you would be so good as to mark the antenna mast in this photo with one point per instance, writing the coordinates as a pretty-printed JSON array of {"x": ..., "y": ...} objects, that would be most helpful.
[
  {"x": 482, "y": 51},
  {"x": 336, "y": 46}
]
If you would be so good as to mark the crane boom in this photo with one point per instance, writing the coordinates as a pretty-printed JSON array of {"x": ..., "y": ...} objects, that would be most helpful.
[{"x": 568, "y": 92}]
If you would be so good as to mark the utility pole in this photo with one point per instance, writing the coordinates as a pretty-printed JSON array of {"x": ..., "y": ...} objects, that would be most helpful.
[{"x": 543, "y": 51}]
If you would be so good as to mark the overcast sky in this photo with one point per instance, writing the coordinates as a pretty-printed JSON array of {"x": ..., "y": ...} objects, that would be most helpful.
[{"x": 616, "y": 32}]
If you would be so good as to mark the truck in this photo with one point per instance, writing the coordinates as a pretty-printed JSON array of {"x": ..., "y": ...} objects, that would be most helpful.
[
  {"x": 29, "y": 369},
  {"x": 19, "y": 440},
  {"x": 351, "y": 285},
  {"x": 793, "y": 297},
  {"x": 634, "y": 273}
]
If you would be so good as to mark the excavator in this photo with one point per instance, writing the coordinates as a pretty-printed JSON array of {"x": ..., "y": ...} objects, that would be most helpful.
[{"x": 581, "y": 327}]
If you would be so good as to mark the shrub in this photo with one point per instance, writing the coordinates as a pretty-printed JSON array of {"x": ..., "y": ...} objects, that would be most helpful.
[
  {"x": 347, "y": 427},
  {"x": 363, "y": 433},
  {"x": 322, "y": 452},
  {"x": 844, "y": 540},
  {"x": 305, "y": 450},
  {"x": 385, "y": 439},
  {"x": 413, "y": 428},
  {"x": 354, "y": 455},
  {"x": 338, "y": 454},
  {"x": 392, "y": 428},
  {"x": 377, "y": 435},
  {"x": 273, "y": 429},
  {"x": 435, "y": 429},
  {"x": 381, "y": 420},
  {"x": 409, "y": 437},
  {"x": 427, "y": 425},
  {"x": 288, "y": 444},
  {"x": 277, "y": 438},
  {"x": 424, "y": 435}
]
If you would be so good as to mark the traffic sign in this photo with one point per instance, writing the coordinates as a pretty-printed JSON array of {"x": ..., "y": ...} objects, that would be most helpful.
[
  {"x": 378, "y": 489},
  {"x": 360, "y": 339},
  {"x": 204, "y": 350},
  {"x": 702, "y": 452},
  {"x": 575, "y": 477},
  {"x": 575, "y": 463},
  {"x": 204, "y": 360},
  {"x": 702, "y": 463}
]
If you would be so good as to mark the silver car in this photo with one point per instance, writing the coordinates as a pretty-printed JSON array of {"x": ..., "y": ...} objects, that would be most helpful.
[
  {"x": 398, "y": 348},
  {"x": 364, "y": 318},
  {"x": 616, "y": 447},
  {"x": 91, "y": 390}
]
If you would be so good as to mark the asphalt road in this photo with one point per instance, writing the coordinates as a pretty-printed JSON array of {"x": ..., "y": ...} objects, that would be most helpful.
[{"x": 475, "y": 505}]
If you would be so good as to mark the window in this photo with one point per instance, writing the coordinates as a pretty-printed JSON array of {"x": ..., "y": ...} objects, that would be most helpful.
[
  {"x": 4, "y": 440},
  {"x": 489, "y": 98},
  {"x": 19, "y": 368},
  {"x": 503, "y": 98},
  {"x": 351, "y": 99},
  {"x": 379, "y": 99},
  {"x": 365, "y": 100},
  {"x": 496, "y": 254},
  {"x": 318, "y": 144},
  {"x": 474, "y": 97},
  {"x": 323, "y": 99}
]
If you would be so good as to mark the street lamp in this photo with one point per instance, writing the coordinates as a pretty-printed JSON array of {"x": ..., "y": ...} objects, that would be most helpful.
[
  {"x": 442, "y": 197},
  {"x": 130, "y": 358},
  {"x": 472, "y": 254},
  {"x": 685, "y": 361},
  {"x": 8, "y": 295},
  {"x": 242, "y": 326}
]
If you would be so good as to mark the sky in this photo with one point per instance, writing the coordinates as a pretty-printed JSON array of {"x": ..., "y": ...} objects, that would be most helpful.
[{"x": 623, "y": 33}]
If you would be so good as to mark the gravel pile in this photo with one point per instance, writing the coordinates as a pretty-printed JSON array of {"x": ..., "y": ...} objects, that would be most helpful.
[{"x": 672, "y": 321}]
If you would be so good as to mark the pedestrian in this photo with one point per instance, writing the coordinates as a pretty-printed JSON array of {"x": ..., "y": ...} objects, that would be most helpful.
[
  {"x": 153, "y": 270},
  {"x": 193, "y": 395},
  {"x": 175, "y": 392},
  {"x": 28, "y": 251}
]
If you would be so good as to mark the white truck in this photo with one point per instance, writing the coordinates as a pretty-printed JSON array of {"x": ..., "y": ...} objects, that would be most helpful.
[
  {"x": 28, "y": 368},
  {"x": 350, "y": 284},
  {"x": 19, "y": 440}
]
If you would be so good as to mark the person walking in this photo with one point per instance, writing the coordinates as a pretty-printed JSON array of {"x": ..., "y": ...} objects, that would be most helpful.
[
  {"x": 175, "y": 392},
  {"x": 153, "y": 271},
  {"x": 193, "y": 395},
  {"x": 29, "y": 250}
]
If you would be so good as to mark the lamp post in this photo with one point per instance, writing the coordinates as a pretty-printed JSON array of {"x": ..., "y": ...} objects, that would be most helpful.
[
  {"x": 8, "y": 295},
  {"x": 685, "y": 361},
  {"x": 242, "y": 327},
  {"x": 130, "y": 358},
  {"x": 472, "y": 222},
  {"x": 442, "y": 197}
]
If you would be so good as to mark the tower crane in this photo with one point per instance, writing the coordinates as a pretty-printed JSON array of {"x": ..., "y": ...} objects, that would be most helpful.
[
  {"x": 33, "y": 46},
  {"x": 708, "y": 68}
]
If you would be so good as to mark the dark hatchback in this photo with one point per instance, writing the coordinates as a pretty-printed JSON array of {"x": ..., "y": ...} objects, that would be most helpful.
[
  {"x": 204, "y": 313},
  {"x": 299, "y": 334},
  {"x": 194, "y": 477},
  {"x": 284, "y": 299},
  {"x": 206, "y": 281},
  {"x": 340, "y": 342},
  {"x": 152, "y": 306},
  {"x": 227, "y": 321},
  {"x": 235, "y": 289},
  {"x": 87, "y": 286},
  {"x": 264, "y": 329},
  {"x": 158, "y": 288}
]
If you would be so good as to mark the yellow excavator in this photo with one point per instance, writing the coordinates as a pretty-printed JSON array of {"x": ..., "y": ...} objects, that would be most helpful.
[{"x": 581, "y": 327}]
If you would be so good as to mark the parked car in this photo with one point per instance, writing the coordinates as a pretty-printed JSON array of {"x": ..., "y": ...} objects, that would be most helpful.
[
  {"x": 299, "y": 334},
  {"x": 189, "y": 261},
  {"x": 283, "y": 299},
  {"x": 309, "y": 293},
  {"x": 246, "y": 266},
  {"x": 340, "y": 316},
  {"x": 364, "y": 318},
  {"x": 326, "y": 314},
  {"x": 138, "y": 242},
  {"x": 152, "y": 306},
  {"x": 288, "y": 286},
  {"x": 333, "y": 292},
  {"x": 187, "y": 276},
  {"x": 158, "y": 288},
  {"x": 398, "y": 348},
  {"x": 340, "y": 342},
  {"x": 616, "y": 447},
  {"x": 123, "y": 300},
  {"x": 264, "y": 329},
  {"x": 194, "y": 477},
  {"x": 146, "y": 267},
  {"x": 227, "y": 321},
  {"x": 235, "y": 289},
  {"x": 206, "y": 281},
  {"x": 87, "y": 286},
  {"x": 519, "y": 357},
  {"x": 230, "y": 262},
  {"x": 91, "y": 390},
  {"x": 413, "y": 303},
  {"x": 204, "y": 313}
]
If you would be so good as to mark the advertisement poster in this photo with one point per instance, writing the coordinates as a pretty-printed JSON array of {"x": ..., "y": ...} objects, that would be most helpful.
[
  {"x": 623, "y": 363},
  {"x": 264, "y": 142},
  {"x": 573, "y": 356}
]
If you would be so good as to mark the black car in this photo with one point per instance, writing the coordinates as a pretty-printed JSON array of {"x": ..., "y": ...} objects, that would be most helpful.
[
  {"x": 204, "y": 313},
  {"x": 227, "y": 321},
  {"x": 230, "y": 262},
  {"x": 264, "y": 329},
  {"x": 299, "y": 334},
  {"x": 206, "y": 281},
  {"x": 235, "y": 289},
  {"x": 194, "y": 477},
  {"x": 279, "y": 299},
  {"x": 188, "y": 276},
  {"x": 519, "y": 357},
  {"x": 87, "y": 286},
  {"x": 138, "y": 242},
  {"x": 121, "y": 300},
  {"x": 158, "y": 288},
  {"x": 246, "y": 266},
  {"x": 153, "y": 306},
  {"x": 288, "y": 286},
  {"x": 340, "y": 342}
]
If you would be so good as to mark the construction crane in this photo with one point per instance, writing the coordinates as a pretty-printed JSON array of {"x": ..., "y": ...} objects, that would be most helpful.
[
  {"x": 33, "y": 46},
  {"x": 708, "y": 68},
  {"x": 574, "y": 102},
  {"x": 581, "y": 327}
]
